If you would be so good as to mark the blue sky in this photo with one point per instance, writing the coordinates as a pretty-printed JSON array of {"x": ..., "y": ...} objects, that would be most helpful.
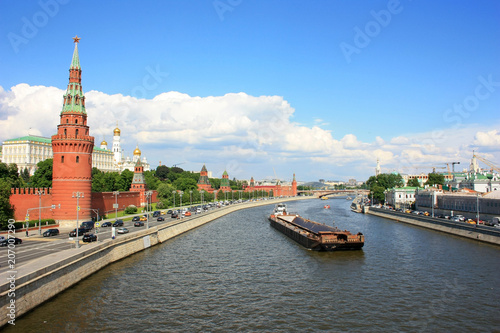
[{"x": 319, "y": 88}]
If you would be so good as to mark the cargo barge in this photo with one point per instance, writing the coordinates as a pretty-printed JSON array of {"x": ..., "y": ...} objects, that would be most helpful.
[{"x": 314, "y": 235}]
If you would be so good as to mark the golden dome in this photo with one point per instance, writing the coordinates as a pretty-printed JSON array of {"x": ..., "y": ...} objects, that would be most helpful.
[
  {"x": 116, "y": 131},
  {"x": 104, "y": 143},
  {"x": 137, "y": 151}
]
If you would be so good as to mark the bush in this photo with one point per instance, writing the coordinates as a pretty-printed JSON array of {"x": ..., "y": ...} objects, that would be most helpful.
[
  {"x": 21, "y": 225},
  {"x": 131, "y": 209},
  {"x": 160, "y": 205}
]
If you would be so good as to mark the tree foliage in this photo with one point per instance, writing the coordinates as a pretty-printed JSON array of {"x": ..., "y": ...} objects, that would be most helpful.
[
  {"x": 378, "y": 184},
  {"x": 413, "y": 182},
  {"x": 43, "y": 174},
  {"x": 6, "y": 209},
  {"x": 435, "y": 179}
]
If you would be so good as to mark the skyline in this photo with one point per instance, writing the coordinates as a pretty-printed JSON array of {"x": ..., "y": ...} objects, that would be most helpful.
[{"x": 320, "y": 89}]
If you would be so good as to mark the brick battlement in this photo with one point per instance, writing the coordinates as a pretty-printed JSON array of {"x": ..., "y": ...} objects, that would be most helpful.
[{"x": 30, "y": 190}]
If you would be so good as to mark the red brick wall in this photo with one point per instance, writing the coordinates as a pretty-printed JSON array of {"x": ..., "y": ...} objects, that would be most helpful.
[{"x": 23, "y": 199}]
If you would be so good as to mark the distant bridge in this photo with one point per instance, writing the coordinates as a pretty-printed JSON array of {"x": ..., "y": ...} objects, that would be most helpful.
[{"x": 323, "y": 193}]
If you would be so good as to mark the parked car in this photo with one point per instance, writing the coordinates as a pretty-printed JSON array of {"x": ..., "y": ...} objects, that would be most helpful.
[
  {"x": 89, "y": 225},
  {"x": 122, "y": 230},
  {"x": 160, "y": 219},
  {"x": 81, "y": 232},
  {"x": 106, "y": 224},
  {"x": 87, "y": 238},
  {"x": 14, "y": 241},
  {"x": 136, "y": 218},
  {"x": 51, "y": 232},
  {"x": 118, "y": 223},
  {"x": 138, "y": 224}
]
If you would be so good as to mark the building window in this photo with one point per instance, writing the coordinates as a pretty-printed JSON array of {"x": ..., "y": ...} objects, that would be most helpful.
[
  {"x": 65, "y": 132},
  {"x": 76, "y": 132},
  {"x": 76, "y": 121},
  {"x": 78, "y": 159},
  {"x": 62, "y": 159}
]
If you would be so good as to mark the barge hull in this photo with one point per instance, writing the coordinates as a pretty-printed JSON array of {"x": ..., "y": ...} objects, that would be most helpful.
[{"x": 313, "y": 244}]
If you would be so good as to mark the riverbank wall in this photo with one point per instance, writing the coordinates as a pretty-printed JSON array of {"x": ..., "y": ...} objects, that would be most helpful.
[
  {"x": 30, "y": 285},
  {"x": 476, "y": 232}
]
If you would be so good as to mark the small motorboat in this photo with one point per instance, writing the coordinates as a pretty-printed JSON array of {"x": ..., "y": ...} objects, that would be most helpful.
[{"x": 327, "y": 207}]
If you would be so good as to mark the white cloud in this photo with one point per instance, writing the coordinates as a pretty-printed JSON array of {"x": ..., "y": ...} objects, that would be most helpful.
[
  {"x": 234, "y": 131},
  {"x": 490, "y": 138}
]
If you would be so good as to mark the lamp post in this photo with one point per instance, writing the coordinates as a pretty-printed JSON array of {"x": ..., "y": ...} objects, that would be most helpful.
[
  {"x": 148, "y": 201},
  {"x": 180, "y": 194},
  {"x": 477, "y": 208},
  {"x": 190, "y": 197},
  {"x": 116, "y": 193},
  {"x": 173, "y": 193},
  {"x": 39, "y": 193},
  {"x": 77, "y": 195},
  {"x": 202, "y": 191}
]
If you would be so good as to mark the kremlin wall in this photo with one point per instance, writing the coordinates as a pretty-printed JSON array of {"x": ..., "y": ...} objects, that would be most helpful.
[{"x": 73, "y": 151}]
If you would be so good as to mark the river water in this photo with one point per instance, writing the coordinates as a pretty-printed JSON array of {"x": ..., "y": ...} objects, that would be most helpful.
[{"x": 239, "y": 274}]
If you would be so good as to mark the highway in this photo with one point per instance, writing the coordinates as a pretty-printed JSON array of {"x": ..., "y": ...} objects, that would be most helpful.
[{"x": 35, "y": 247}]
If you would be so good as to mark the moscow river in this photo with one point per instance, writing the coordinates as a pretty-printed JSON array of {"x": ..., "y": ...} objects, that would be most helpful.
[{"x": 237, "y": 273}]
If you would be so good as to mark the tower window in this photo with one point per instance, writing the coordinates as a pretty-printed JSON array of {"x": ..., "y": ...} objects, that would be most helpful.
[
  {"x": 78, "y": 159},
  {"x": 62, "y": 159},
  {"x": 65, "y": 132},
  {"x": 76, "y": 121},
  {"x": 67, "y": 121},
  {"x": 76, "y": 132}
]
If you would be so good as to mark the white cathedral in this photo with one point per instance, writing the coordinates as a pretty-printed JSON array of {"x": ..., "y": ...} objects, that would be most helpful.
[{"x": 28, "y": 150}]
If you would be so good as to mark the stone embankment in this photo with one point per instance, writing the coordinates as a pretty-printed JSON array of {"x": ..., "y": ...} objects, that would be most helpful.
[
  {"x": 28, "y": 286},
  {"x": 477, "y": 232}
]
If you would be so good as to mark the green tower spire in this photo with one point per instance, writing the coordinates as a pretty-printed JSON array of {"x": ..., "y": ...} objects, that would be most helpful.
[{"x": 74, "y": 100}]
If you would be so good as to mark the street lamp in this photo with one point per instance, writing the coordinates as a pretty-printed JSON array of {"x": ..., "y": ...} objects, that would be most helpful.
[
  {"x": 477, "y": 208},
  {"x": 77, "y": 195},
  {"x": 202, "y": 191},
  {"x": 148, "y": 200},
  {"x": 181, "y": 193},
  {"x": 173, "y": 192},
  {"x": 39, "y": 193},
  {"x": 116, "y": 193},
  {"x": 190, "y": 197}
]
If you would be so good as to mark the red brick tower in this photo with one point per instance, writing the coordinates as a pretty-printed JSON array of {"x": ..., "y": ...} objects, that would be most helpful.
[
  {"x": 204, "y": 182},
  {"x": 224, "y": 184},
  {"x": 294, "y": 186},
  {"x": 139, "y": 182},
  {"x": 72, "y": 147}
]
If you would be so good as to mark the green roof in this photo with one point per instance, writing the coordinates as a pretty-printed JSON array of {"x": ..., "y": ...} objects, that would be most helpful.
[
  {"x": 31, "y": 138},
  {"x": 75, "y": 62},
  {"x": 44, "y": 140}
]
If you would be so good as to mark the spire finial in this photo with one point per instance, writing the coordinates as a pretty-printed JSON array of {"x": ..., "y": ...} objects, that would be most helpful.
[{"x": 76, "y": 39}]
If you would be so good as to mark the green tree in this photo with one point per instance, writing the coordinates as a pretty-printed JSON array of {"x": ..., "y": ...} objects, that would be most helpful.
[
  {"x": 152, "y": 181},
  {"x": 413, "y": 182},
  {"x": 6, "y": 209},
  {"x": 378, "y": 184},
  {"x": 25, "y": 175},
  {"x": 185, "y": 184},
  {"x": 162, "y": 172},
  {"x": 125, "y": 180},
  {"x": 435, "y": 179},
  {"x": 43, "y": 174}
]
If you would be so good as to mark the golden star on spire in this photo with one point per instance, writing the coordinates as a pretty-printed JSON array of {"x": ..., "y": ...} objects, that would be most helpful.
[{"x": 76, "y": 39}]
